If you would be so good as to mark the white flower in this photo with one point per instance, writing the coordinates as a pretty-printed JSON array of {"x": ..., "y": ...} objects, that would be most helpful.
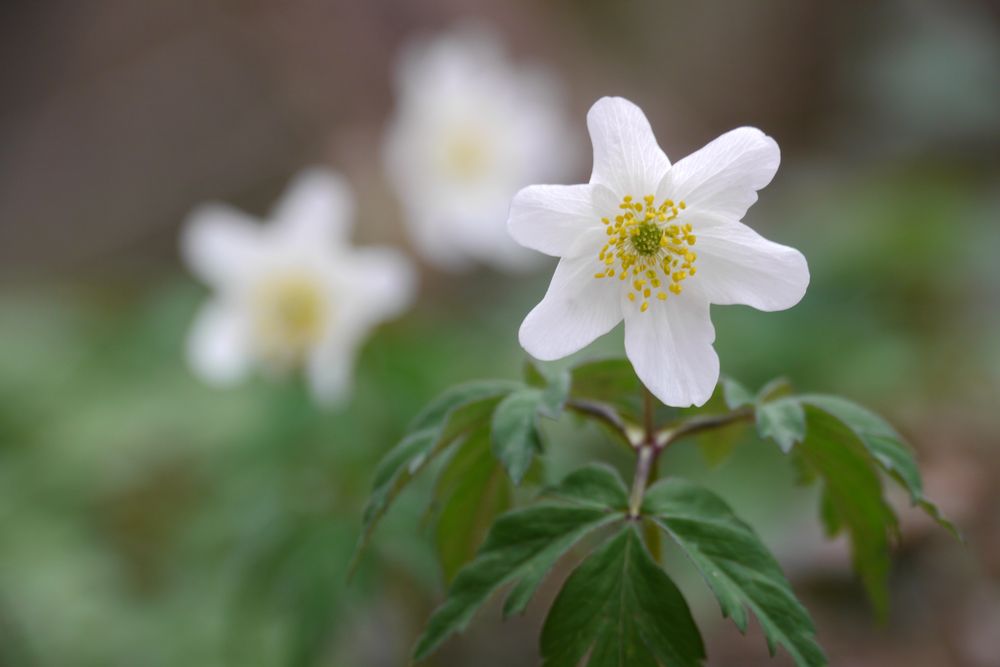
[
  {"x": 291, "y": 293},
  {"x": 468, "y": 132},
  {"x": 654, "y": 244}
]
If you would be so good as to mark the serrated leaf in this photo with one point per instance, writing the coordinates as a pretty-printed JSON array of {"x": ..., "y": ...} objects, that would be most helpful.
[
  {"x": 448, "y": 418},
  {"x": 776, "y": 388},
  {"x": 852, "y": 499},
  {"x": 735, "y": 394},
  {"x": 735, "y": 564},
  {"x": 782, "y": 420},
  {"x": 514, "y": 431},
  {"x": 521, "y": 547},
  {"x": 594, "y": 485},
  {"x": 886, "y": 447},
  {"x": 619, "y": 609},
  {"x": 471, "y": 491}
]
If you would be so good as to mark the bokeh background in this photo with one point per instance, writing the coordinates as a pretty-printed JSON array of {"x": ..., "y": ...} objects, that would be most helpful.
[{"x": 146, "y": 519}]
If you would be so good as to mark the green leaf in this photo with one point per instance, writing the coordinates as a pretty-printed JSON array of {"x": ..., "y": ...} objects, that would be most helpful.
[
  {"x": 471, "y": 491},
  {"x": 595, "y": 485},
  {"x": 619, "y": 609},
  {"x": 776, "y": 388},
  {"x": 554, "y": 386},
  {"x": 533, "y": 375},
  {"x": 782, "y": 420},
  {"x": 885, "y": 446},
  {"x": 736, "y": 395},
  {"x": 852, "y": 498},
  {"x": 609, "y": 381},
  {"x": 443, "y": 422},
  {"x": 717, "y": 444},
  {"x": 735, "y": 564},
  {"x": 515, "y": 431},
  {"x": 555, "y": 395},
  {"x": 522, "y": 546}
]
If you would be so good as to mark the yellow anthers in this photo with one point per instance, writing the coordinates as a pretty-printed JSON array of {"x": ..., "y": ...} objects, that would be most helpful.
[{"x": 647, "y": 245}]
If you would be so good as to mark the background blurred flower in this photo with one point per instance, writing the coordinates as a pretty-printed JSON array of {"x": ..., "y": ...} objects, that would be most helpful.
[
  {"x": 292, "y": 293},
  {"x": 627, "y": 246},
  {"x": 469, "y": 130}
]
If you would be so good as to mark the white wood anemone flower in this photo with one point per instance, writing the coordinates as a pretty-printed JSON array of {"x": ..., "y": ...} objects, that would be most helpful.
[
  {"x": 654, "y": 244},
  {"x": 292, "y": 293},
  {"x": 468, "y": 131}
]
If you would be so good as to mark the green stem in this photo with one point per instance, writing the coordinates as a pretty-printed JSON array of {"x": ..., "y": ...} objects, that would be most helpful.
[
  {"x": 647, "y": 455},
  {"x": 706, "y": 423}
]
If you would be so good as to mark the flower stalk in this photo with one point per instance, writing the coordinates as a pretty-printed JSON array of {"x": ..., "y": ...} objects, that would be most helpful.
[
  {"x": 647, "y": 456},
  {"x": 654, "y": 442}
]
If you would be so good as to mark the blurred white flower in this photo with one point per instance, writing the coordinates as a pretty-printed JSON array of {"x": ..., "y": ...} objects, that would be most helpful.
[
  {"x": 627, "y": 246},
  {"x": 291, "y": 293},
  {"x": 469, "y": 130}
]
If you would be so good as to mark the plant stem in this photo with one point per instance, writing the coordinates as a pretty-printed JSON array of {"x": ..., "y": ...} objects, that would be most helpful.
[
  {"x": 604, "y": 414},
  {"x": 707, "y": 423},
  {"x": 648, "y": 414},
  {"x": 647, "y": 455}
]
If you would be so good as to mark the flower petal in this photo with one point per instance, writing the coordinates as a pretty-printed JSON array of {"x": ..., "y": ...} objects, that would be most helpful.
[
  {"x": 551, "y": 218},
  {"x": 724, "y": 176},
  {"x": 317, "y": 208},
  {"x": 219, "y": 346},
  {"x": 736, "y": 265},
  {"x": 576, "y": 310},
  {"x": 670, "y": 347},
  {"x": 220, "y": 244},
  {"x": 330, "y": 371},
  {"x": 380, "y": 284},
  {"x": 627, "y": 158}
]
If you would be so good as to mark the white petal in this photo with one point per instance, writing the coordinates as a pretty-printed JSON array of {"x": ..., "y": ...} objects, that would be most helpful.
[
  {"x": 724, "y": 176},
  {"x": 627, "y": 158},
  {"x": 576, "y": 310},
  {"x": 330, "y": 371},
  {"x": 317, "y": 208},
  {"x": 382, "y": 284},
  {"x": 551, "y": 218},
  {"x": 736, "y": 265},
  {"x": 670, "y": 347},
  {"x": 218, "y": 346},
  {"x": 220, "y": 244}
]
